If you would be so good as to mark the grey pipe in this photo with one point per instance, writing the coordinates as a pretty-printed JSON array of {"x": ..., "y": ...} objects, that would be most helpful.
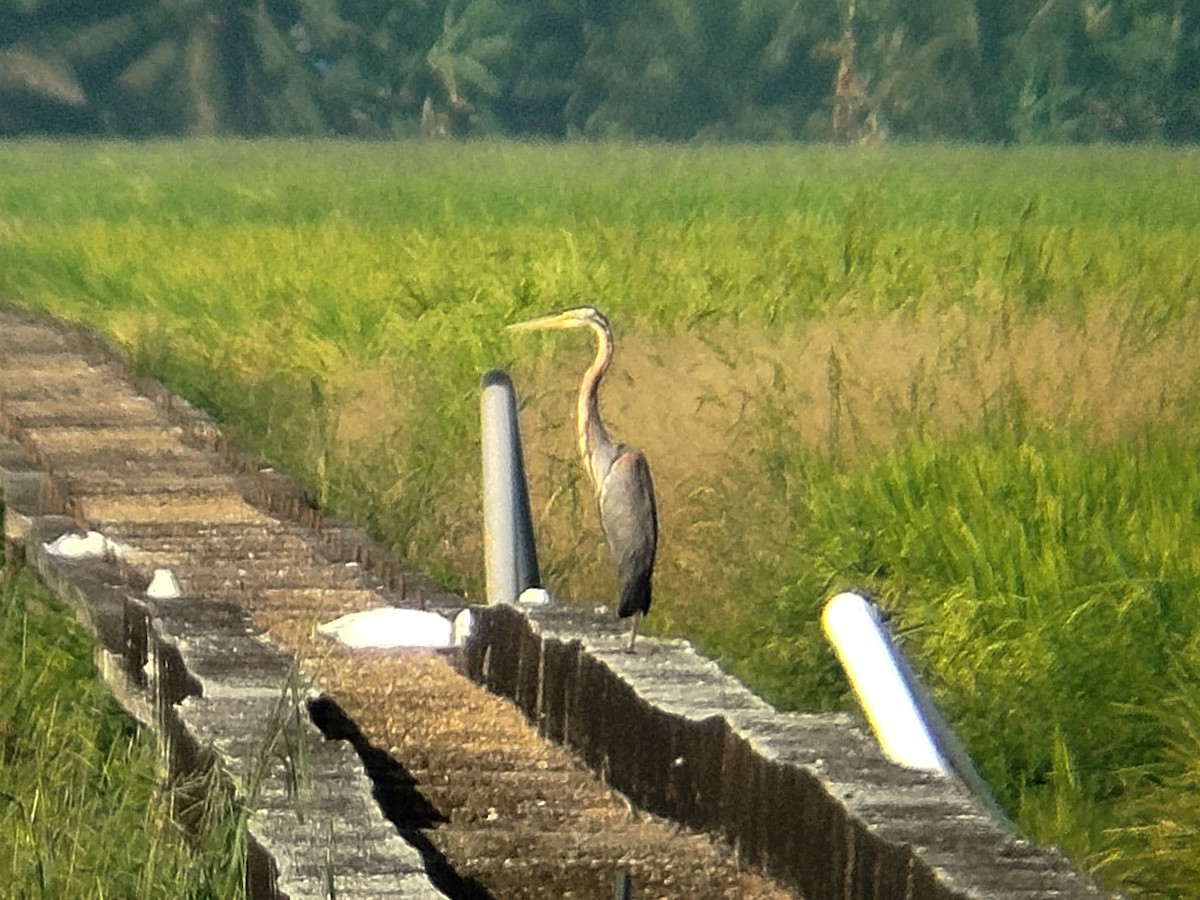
[{"x": 510, "y": 557}]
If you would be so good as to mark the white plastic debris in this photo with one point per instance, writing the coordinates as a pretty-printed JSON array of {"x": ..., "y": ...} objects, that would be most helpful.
[
  {"x": 389, "y": 627},
  {"x": 164, "y": 586},
  {"x": 460, "y": 630},
  {"x": 535, "y": 596},
  {"x": 92, "y": 545}
]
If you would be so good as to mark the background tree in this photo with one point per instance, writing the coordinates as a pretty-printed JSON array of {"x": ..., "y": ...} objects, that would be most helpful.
[
  {"x": 190, "y": 67},
  {"x": 40, "y": 88},
  {"x": 999, "y": 70},
  {"x": 922, "y": 61},
  {"x": 547, "y": 44},
  {"x": 473, "y": 44},
  {"x": 1183, "y": 106},
  {"x": 1127, "y": 66},
  {"x": 678, "y": 69}
]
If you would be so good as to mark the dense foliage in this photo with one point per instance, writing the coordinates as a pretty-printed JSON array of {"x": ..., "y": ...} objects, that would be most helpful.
[{"x": 992, "y": 70}]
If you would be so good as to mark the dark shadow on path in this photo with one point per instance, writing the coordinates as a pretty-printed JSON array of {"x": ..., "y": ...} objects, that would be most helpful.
[{"x": 395, "y": 790}]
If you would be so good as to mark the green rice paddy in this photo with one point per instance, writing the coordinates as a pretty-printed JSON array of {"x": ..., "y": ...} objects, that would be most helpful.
[{"x": 963, "y": 380}]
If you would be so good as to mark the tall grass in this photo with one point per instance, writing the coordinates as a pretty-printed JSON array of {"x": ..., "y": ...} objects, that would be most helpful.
[
  {"x": 82, "y": 810},
  {"x": 961, "y": 379},
  {"x": 85, "y": 809},
  {"x": 1045, "y": 585}
]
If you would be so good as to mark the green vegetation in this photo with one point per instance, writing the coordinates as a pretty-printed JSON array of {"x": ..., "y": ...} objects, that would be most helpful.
[
  {"x": 1027, "y": 71},
  {"x": 82, "y": 810},
  {"x": 963, "y": 380}
]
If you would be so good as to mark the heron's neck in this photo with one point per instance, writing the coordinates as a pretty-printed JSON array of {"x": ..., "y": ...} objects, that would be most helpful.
[{"x": 593, "y": 439}]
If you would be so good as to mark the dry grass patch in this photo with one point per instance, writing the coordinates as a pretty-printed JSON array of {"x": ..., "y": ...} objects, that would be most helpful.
[{"x": 704, "y": 404}]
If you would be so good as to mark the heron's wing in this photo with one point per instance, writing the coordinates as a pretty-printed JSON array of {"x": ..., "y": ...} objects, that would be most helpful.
[{"x": 630, "y": 521}]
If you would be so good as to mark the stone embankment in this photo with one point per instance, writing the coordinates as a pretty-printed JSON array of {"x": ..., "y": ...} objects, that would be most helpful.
[{"x": 398, "y": 775}]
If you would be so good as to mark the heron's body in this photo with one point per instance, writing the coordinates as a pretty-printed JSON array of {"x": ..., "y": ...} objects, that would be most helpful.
[{"x": 619, "y": 473}]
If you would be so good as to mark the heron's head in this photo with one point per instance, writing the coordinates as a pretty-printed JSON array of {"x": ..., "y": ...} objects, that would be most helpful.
[{"x": 577, "y": 317}]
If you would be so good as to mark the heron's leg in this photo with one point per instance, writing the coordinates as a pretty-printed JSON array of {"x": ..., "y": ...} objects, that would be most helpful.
[{"x": 636, "y": 619}]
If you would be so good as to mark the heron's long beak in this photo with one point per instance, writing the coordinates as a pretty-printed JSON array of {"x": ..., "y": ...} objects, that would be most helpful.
[{"x": 546, "y": 323}]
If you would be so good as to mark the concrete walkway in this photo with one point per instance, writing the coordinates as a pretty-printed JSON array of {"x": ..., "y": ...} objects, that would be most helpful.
[{"x": 479, "y": 804}]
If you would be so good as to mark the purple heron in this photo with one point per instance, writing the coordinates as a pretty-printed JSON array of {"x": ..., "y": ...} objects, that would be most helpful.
[{"x": 619, "y": 474}]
